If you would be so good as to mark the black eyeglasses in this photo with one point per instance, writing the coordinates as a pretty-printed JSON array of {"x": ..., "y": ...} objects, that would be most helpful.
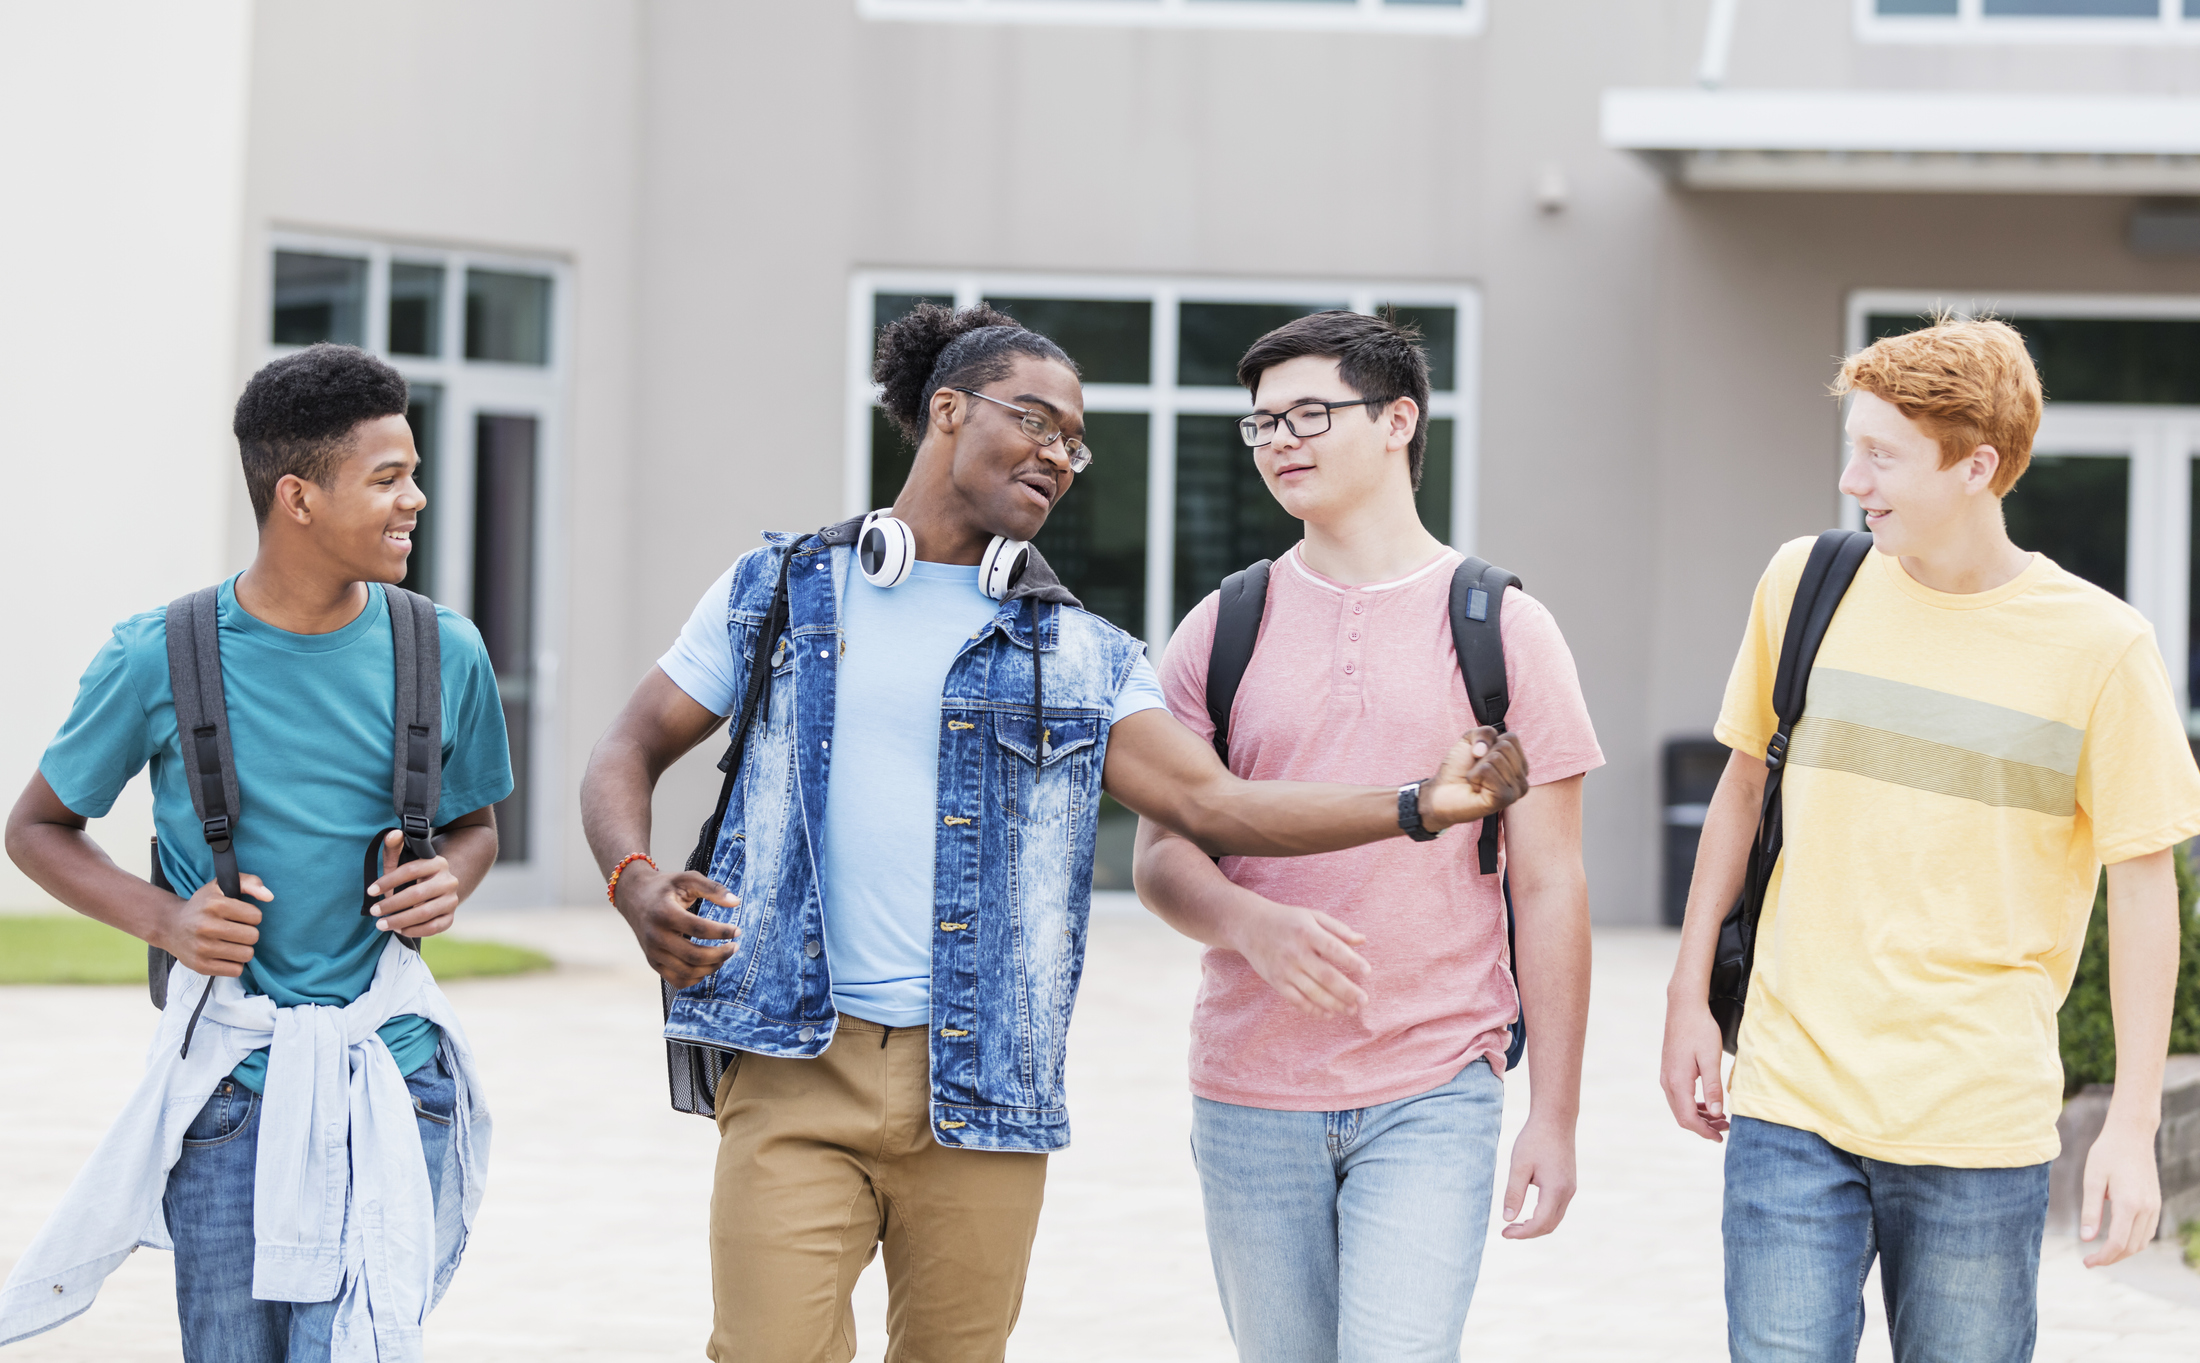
[
  {"x": 1041, "y": 428},
  {"x": 1308, "y": 418}
]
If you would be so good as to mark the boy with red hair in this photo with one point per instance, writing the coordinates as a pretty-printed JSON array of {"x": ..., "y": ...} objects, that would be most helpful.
[{"x": 1982, "y": 732}]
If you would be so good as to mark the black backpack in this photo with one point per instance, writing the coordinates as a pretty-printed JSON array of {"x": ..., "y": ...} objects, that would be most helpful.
[
  {"x": 1832, "y": 566},
  {"x": 202, "y": 731},
  {"x": 1477, "y": 596}
]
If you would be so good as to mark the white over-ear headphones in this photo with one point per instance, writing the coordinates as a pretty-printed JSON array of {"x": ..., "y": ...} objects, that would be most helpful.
[{"x": 886, "y": 549}]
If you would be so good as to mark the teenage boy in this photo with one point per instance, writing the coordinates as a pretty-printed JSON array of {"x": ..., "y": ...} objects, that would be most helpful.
[
  {"x": 896, "y": 974},
  {"x": 1982, "y": 731},
  {"x": 306, "y": 1062},
  {"x": 1354, "y": 1007}
]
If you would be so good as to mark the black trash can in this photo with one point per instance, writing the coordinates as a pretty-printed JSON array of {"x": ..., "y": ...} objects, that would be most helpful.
[{"x": 1692, "y": 770}]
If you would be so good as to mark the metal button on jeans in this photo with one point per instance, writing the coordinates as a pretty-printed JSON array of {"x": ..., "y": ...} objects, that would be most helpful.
[
  {"x": 811, "y": 948},
  {"x": 806, "y": 1033}
]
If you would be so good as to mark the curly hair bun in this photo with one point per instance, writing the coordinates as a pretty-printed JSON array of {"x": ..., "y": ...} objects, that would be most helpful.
[{"x": 933, "y": 347}]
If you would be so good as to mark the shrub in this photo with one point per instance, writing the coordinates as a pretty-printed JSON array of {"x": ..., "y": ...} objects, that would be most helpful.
[{"x": 2088, "y": 1030}]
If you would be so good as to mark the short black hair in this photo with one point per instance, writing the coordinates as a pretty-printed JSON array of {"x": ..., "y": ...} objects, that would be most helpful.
[
  {"x": 297, "y": 415},
  {"x": 933, "y": 347},
  {"x": 1378, "y": 358}
]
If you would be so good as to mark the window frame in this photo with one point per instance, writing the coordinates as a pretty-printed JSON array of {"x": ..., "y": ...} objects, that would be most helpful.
[
  {"x": 468, "y": 388},
  {"x": 1164, "y": 401},
  {"x": 1360, "y": 16},
  {"x": 2162, "y": 441},
  {"x": 1970, "y": 24}
]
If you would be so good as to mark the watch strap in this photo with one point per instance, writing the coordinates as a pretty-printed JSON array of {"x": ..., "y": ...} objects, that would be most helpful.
[{"x": 1409, "y": 813}]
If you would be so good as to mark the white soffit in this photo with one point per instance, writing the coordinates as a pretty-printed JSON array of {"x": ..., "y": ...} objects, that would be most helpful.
[{"x": 1881, "y": 140}]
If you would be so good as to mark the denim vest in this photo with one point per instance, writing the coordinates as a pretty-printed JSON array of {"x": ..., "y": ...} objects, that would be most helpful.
[{"x": 1019, "y": 800}]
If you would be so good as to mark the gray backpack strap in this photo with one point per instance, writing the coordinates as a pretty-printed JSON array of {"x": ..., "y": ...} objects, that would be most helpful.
[
  {"x": 1477, "y": 600},
  {"x": 202, "y": 732},
  {"x": 416, "y": 779},
  {"x": 1244, "y": 600}
]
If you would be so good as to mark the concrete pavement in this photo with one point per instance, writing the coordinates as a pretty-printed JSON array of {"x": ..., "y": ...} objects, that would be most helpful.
[{"x": 591, "y": 1244}]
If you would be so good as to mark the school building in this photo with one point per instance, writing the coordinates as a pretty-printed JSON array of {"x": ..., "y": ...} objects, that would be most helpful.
[{"x": 632, "y": 253}]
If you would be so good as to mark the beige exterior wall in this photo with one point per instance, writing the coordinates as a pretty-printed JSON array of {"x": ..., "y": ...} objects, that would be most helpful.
[
  {"x": 507, "y": 127},
  {"x": 1652, "y": 414},
  {"x": 124, "y": 167}
]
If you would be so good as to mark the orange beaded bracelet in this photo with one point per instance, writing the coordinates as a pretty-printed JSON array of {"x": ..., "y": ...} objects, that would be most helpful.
[{"x": 611, "y": 886}]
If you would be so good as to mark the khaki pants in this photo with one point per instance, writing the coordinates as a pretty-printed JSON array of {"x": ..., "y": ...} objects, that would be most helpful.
[{"x": 822, "y": 1161}]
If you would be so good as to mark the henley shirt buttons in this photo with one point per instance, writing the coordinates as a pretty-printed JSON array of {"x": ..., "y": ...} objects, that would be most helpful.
[
  {"x": 1348, "y": 669},
  {"x": 810, "y": 949},
  {"x": 1354, "y": 636},
  {"x": 1357, "y": 608}
]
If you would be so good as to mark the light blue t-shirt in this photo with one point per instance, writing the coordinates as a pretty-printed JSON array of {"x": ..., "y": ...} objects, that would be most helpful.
[
  {"x": 312, "y": 724},
  {"x": 882, "y": 807}
]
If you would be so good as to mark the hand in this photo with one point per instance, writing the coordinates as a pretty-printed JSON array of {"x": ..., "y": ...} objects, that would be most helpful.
[
  {"x": 1543, "y": 1155},
  {"x": 1305, "y": 956},
  {"x": 657, "y": 907},
  {"x": 1481, "y": 775},
  {"x": 1693, "y": 1053},
  {"x": 2120, "y": 1167},
  {"x": 428, "y": 902},
  {"x": 212, "y": 933}
]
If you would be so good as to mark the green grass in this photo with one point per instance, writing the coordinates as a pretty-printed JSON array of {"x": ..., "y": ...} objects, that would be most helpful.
[
  {"x": 67, "y": 948},
  {"x": 2189, "y": 1233}
]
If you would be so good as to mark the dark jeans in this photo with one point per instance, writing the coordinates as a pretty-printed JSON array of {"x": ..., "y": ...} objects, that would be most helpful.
[
  {"x": 209, "y": 1211},
  {"x": 1958, "y": 1250}
]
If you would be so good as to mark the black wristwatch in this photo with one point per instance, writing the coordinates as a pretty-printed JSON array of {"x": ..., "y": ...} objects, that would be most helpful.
[{"x": 1409, "y": 814}]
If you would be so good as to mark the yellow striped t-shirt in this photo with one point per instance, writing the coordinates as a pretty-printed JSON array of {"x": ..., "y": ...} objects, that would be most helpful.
[{"x": 1963, "y": 767}]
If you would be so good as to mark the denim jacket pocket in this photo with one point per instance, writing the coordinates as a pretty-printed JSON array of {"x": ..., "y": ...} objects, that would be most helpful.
[{"x": 1045, "y": 768}]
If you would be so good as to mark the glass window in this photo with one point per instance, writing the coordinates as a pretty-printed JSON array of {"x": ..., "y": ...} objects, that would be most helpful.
[
  {"x": 2076, "y": 509},
  {"x": 504, "y": 595},
  {"x": 2115, "y": 359},
  {"x": 416, "y": 309},
  {"x": 891, "y": 307},
  {"x": 507, "y": 317},
  {"x": 1225, "y": 517},
  {"x": 319, "y": 298},
  {"x": 2075, "y": 9},
  {"x": 1218, "y": 512},
  {"x": 1439, "y": 337},
  {"x": 1433, "y": 498},
  {"x": 1096, "y": 535},
  {"x": 423, "y": 412},
  {"x": 1212, "y": 337},
  {"x": 1111, "y": 341}
]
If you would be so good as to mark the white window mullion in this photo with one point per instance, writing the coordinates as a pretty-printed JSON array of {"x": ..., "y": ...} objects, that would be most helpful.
[
  {"x": 1466, "y": 426},
  {"x": 1161, "y": 477}
]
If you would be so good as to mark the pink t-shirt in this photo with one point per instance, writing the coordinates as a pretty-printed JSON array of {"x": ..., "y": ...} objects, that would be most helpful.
[{"x": 1344, "y": 686}]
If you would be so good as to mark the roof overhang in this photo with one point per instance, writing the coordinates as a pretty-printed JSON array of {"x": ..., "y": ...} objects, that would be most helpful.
[{"x": 1888, "y": 140}]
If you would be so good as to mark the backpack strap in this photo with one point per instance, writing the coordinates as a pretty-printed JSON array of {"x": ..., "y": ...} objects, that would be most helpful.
[
  {"x": 1827, "y": 574},
  {"x": 416, "y": 778},
  {"x": 694, "y": 1071},
  {"x": 202, "y": 732},
  {"x": 202, "y": 726},
  {"x": 1237, "y": 632},
  {"x": 1477, "y": 599}
]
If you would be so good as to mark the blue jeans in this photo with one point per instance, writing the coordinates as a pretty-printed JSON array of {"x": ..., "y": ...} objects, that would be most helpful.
[
  {"x": 1958, "y": 1249},
  {"x": 208, "y": 1206},
  {"x": 1354, "y": 1236}
]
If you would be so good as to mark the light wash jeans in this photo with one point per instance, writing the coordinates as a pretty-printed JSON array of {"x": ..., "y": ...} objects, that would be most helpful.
[
  {"x": 1958, "y": 1250},
  {"x": 1354, "y": 1236},
  {"x": 208, "y": 1205}
]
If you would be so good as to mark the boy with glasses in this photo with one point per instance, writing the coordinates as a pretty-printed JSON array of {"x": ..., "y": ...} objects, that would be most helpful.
[
  {"x": 888, "y": 940},
  {"x": 1354, "y": 1010},
  {"x": 1982, "y": 730}
]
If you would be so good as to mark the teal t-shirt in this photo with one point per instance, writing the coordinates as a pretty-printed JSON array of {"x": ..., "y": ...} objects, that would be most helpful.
[{"x": 312, "y": 725}]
